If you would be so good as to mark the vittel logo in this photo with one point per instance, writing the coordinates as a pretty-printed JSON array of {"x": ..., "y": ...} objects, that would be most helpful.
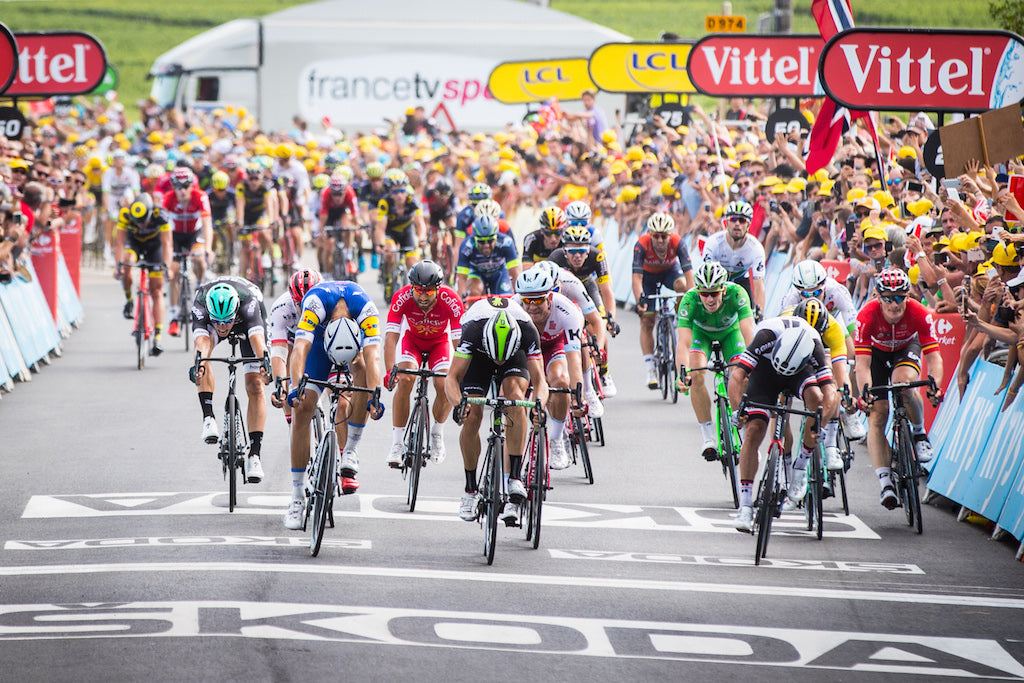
[
  {"x": 68, "y": 63},
  {"x": 738, "y": 65},
  {"x": 911, "y": 74}
]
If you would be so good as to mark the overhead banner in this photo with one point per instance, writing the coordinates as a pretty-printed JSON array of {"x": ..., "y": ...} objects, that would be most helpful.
[
  {"x": 923, "y": 69},
  {"x": 57, "y": 63},
  {"x": 641, "y": 68},
  {"x": 8, "y": 58},
  {"x": 540, "y": 80},
  {"x": 733, "y": 65}
]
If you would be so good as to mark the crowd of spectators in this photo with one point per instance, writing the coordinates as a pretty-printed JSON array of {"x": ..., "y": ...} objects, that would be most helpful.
[{"x": 959, "y": 244}]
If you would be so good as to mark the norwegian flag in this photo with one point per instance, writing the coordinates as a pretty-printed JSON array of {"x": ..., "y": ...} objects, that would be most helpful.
[{"x": 833, "y": 121}]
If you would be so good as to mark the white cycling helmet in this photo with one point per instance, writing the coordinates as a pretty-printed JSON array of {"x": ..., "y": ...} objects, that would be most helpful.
[
  {"x": 578, "y": 212},
  {"x": 809, "y": 274},
  {"x": 502, "y": 337},
  {"x": 487, "y": 207},
  {"x": 710, "y": 276},
  {"x": 793, "y": 348},
  {"x": 342, "y": 341},
  {"x": 535, "y": 281}
]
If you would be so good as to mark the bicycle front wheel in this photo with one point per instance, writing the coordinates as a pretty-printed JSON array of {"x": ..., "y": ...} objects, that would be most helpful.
[
  {"x": 417, "y": 452},
  {"x": 323, "y": 489},
  {"x": 766, "y": 498},
  {"x": 231, "y": 455},
  {"x": 908, "y": 478},
  {"x": 815, "y": 487},
  {"x": 579, "y": 441},
  {"x": 184, "y": 306},
  {"x": 493, "y": 492},
  {"x": 537, "y": 488},
  {"x": 727, "y": 454}
]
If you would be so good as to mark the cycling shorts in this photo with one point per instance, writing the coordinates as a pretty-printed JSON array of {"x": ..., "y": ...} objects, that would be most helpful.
[
  {"x": 652, "y": 282},
  {"x": 765, "y": 385},
  {"x": 497, "y": 282},
  {"x": 883, "y": 362},
  {"x": 731, "y": 341},
  {"x": 185, "y": 241},
  {"x": 405, "y": 239},
  {"x": 150, "y": 251},
  {"x": 553, "y": 350},
  {"x": 477, "y": 380},
  {"x": 438, "y": 351}
]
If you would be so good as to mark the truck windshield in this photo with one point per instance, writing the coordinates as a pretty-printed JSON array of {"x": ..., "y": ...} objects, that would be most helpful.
[{"x": 164, "y": 89}]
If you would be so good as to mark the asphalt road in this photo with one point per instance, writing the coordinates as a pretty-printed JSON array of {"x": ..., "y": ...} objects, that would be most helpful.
[{"x": 121, "y": 562}]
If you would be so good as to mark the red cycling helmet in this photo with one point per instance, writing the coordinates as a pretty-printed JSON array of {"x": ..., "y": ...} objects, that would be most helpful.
[
  {"x": 181, "y": 177},
  {"x": 302, "y": 282},
  {"x": 892, "y": 280}
]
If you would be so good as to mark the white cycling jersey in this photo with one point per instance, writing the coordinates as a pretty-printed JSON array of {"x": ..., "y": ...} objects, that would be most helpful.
[
  {"x": 573, "y": 288},
  {"x": 564, "y": 319},
  {"x": 749, "y": 258},
  {"x": 836, "y": 298},
  {"x": 283, "y": 318}
]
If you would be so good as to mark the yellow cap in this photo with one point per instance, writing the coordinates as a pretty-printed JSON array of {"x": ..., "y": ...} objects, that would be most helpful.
[
  {"x": 854, "y": 194},
  {"x": 826, "y": 188},
  {"x": 667, "y": 188},
  {"x": 792, "y": 187},
  {"x": 905, "y": 152},
  {"x": 618, "y": 166},
  {"x": 799, "y": 183},
  {"x": 94, "y": 162},
  {"x": 920, "y": 207},
  {"x": 608, "y": 136},
  {"x": 744, "y": 147},
  {"x": 875, "y": 233},
  {"x": 1005, "y": 255},
  {"x": 940, "y": 243},
  {"x": 635, "y": 153},
  {"x": 770, "y": 181},
  {"x": 628, "y": 194},
  {"x": 821, "y": 175},
  {"x": 683, "y": 130},
  {"x": 884, "y": 199},
  {"x": 983, "y": 267},
  {"x": 506, "y": 153},
  {"x": 914, "y": 273}
]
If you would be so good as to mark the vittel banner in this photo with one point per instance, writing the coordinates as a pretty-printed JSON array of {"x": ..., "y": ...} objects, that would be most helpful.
[
  {"x": 8, "y": 57},
  {"x": 731, "y": 65},
  {"x": 926, "y": 69}
]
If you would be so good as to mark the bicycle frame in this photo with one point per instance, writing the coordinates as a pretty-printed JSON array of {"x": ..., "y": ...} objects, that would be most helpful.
[
  {"x": 183, "y": 259},
  {"x": 142, "y": 318},
  {"x": 728, "y": 436},
  {"x": 417, "y": 429},
  {"x": 665, "y": 343}
]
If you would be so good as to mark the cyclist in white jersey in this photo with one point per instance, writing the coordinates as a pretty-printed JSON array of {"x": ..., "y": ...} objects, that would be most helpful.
[
  {"x": 282, "y": 320},
  {"x": 120, "y": 185},
  {"x": 739, "y": 252}
]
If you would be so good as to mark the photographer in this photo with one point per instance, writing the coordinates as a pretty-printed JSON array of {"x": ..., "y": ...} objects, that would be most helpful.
[{"x": 13, "y": 236}]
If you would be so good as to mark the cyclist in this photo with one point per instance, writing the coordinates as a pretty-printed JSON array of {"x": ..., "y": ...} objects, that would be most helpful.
[
  {"x": 399, "y": 222},
  {"x": 232, "y": 306},
  {"x": 785, "y": 354},
  {"x": 119, "y": 185},
  {"x": 145, "y": 235},
  {"x": 464, "y": 220},
  {"x": 499, "y": 343},
  {"x": 292, "y": 205},
  {"x": 893, "y": 331},
  {"x": 442, "y": 208},
  {"x": 432, "y": 311},
  {"x": 221, "y": 198},
  {"x": 370, "y": 192},
  {"x": 579, "y": 214},
  {"x": 319, "y": 340},
  {"x": 538, "y": 245},
  {"x": 254, "y": 206},
  {"x": 338, "y": 208},
  {"x": 714, "y": 310},
  {"x": 660, "y": 259},
  {"x": 587, "y": 262},
  {"x": 739, "y": 252},
  {"x": 283, "y": 320},
  {"x": 188, "y": 210},
  {"x": 560, "y": 325},
  {"x": 488, "y": 261}
]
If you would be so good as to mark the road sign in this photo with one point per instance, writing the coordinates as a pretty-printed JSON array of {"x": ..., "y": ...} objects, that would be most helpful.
[{"x": 725, "y": 23}]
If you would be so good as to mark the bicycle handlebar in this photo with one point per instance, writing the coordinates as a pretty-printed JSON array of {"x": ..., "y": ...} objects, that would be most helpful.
[
  {"x": 230, "y": 361},
  {"x": 871, "y": 394},
  {"x": 418, "y": 372},
  {"x": 336, "y": 387},
  {"x": 777, "y": 409}
]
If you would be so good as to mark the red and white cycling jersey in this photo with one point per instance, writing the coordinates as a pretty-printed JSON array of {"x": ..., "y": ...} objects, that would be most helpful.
[
  {"x": 185, "y": 217},
  {"x": 430, "y": 325},
  {"x": 873, "y": 332},
  {"x": 565, "y": 322}
]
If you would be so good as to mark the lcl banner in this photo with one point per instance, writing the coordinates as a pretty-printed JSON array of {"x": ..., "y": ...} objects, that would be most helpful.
[
  {"x": 923, "y": 69},
  {"x": 540, "y": 80},
  {"x": 57, "y": 63},
  {"x": 731, "y": 65},
  {"x": 641, "y": 67}
]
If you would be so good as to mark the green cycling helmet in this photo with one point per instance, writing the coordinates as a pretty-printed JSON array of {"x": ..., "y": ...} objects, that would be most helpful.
[{"x": 222, "y": 303}]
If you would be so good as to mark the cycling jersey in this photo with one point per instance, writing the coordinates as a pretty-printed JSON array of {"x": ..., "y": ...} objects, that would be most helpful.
[
  {"x": 163, "y": 184},
  {"x": 534, "y": 249},
  {"x": 595, "y": 264},
  {"x": 250, "y": 320},
  {"x": 463, "y": 221},
  {"x": 255, "y": 210},
  {"x": 185, "y": 218},
  {"x": 836, "y": 298},
  {"x": 834, "y": 337},
  {"x": 746, "y": 262},
  {"x": 564, "y": 323},
  {"x": 333, "y": 207},
  {"x": 735, "y": 306},
  {"x": 221, "y": 208},
  {"x": 873, "y": 332},
  {"x": 320, "y": 302},
  {"x": 143, "y": 233},
  {"x": 398, "y": 219},
  {"x": 502, "y": 257},
  {"x": 758, "y": 352},
  {"x": 116, "y": 186},
  {"x": 284, "y": 316},
  {"x": 477, "y": 316},
  {"x": 646, "y": 260},
  {"x": 366, "y": 194},
  {"x": 570, "y": 286},
  {"x": 440, "y": 208},
  {"x": 445, "y": 314}
]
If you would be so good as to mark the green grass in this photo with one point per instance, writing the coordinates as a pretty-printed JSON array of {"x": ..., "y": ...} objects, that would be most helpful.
[{"x": 135, "y": 32}]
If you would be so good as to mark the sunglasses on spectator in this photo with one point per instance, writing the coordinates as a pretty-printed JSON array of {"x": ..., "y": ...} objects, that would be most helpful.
[
  {"x": 534, "y": 300},
  {"x": 893, "y": 298},
  {"x": 649, "y": 166},
  {"x": 742, "y": 184},
  {"x": 577, "y": 250},
  {"x": 22, "y": 171},
  {"x": 873, "y": 245},
  {"x": 862, "y": 214},
  {"x": 812, "y": 293},
  {"x": 418, "y": 289}
]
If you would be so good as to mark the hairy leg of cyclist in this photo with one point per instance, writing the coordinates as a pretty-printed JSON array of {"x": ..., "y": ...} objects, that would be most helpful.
[
  {"x": 475, "y": 286},
  {"x": 400, "y": 414},
  {"x": 558, "y": 412},
  {"x": 302, "y": 413},
  {"x": 173, "y": 273},
  {"x": 242, "y": 250},
  {"x": 296, "y": 242},
  {"x": 700, "y": 399},
  {"x": 514, "y": 388},
  {"x": 647, "y": 321},
  {"x": 199, "y": 260},
  {"x": 156, "y": 289},
  {"x": 905, "y": 372},
  {"x": 754, "y": 433}
]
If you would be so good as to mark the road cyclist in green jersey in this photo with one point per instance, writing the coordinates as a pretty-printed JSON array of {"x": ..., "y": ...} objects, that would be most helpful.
[{"x": 714, "y": 310}]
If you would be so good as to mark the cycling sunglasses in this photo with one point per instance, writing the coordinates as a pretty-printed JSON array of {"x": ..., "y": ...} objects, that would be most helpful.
[
  {"x": 485, "y": 240},
  {"x": 812, "y": 293},
  {"x": 893, "y": 298},
  {"x": 418, "y": 289},
  {"x": 738, "y": 219},
  {"x": 710, "y": 294},
  {"x": 222, "y": 323},
  {"x": 534, "y": 300},
  {"x": 577, "y": 250},
  {"x": 399, "y": 190}
]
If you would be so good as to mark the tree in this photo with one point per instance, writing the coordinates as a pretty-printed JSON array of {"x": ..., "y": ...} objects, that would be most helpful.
[{"x": 1009, "y": 14}]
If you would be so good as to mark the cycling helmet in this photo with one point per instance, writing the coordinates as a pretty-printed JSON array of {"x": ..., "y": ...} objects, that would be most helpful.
[
  {"x": 552, "y": 220},
  {"x": 346, "y": 171},
  {"x": 535, "y": 281},
  {"x": 333, "y": 159},
  {"x": 443, "y": 186},
  {"x": 892, "y": 280},
  {"x": 710, "y": 276},
  {"x": 739, "y": 209},
  {"x": 395, "y": 179},
  {"x": 198, "y": 150},
  {"x": 792, "y": 349},
  {"x": 814, "y": 312},
  {"x": 301, "y": 282},
  {"x": 230, "y": 161},
  {"x": 338, "y": 182},
  {"x": 375, "y": 170},
  {"x": 154, "y": 171},
  {"x": 183, "y": 162},
  {"x": 253, "y": 170},
  {"x": 479, "y": 192},
  {"x": 342, "y": 341},
  {"x": 502, "y": 337},
  {"x": 426, "y": 274},
  {"x": 321, "y": 180},
  {"x": 485, "y": 227},
  {"x": 222, "y": 302},
  {"x": 576, "y": 234},
  {"x": 220, "y": 180},
  {"x": 181, "y": 178},
  {"x": 809, "y": 274},
  {"x": 140, "y": 211},
  {"x": 550, "y": 267},
  {"x": 578, "y": 212},
  {"x": 487, "y": 207},
  {"x": 661, "y": 223}
]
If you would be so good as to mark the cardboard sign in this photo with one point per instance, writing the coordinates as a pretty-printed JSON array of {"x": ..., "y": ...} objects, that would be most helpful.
[{"x": 991, "y": 138}]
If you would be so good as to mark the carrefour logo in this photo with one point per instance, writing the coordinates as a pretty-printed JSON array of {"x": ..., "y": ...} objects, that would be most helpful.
[
  {"x": 942, "y": 327},
  {"x": 641, "y": 67}
]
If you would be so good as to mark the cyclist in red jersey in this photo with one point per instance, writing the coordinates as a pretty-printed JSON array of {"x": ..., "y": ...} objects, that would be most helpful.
[
  {"x": 430, "y": 309},
  {"x": 892, "y": 333},
  {"x": 187, "y": 209},
  {"x": 338, "y": 208}
]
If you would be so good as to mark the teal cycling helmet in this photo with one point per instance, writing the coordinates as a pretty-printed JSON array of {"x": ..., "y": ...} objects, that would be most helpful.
[{"x": 222, "y": 303}]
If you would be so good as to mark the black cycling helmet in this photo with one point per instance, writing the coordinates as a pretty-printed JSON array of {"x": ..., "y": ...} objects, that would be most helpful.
[{"x": 426, "y": 274}]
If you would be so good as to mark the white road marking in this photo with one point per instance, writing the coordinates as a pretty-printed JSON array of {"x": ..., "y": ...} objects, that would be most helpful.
[
  {"x": 578, "y": 515},
  {"x": 775, "y": 563},
  {"x": 615, "y": 583},
  {"x": 845, "y": 651},
  {"x": 180, "y": 541}
]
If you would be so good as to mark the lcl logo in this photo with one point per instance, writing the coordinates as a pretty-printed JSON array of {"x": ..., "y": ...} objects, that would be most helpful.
[
  {"x": 656, "y": 61},
  {"x": 545, "y": 74}
]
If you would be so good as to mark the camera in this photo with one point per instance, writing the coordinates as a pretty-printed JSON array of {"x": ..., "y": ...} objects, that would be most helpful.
[
  {"x": 940, "y": 259},
  {"x": 773, "y": 206},
  {"x": 991, "y": 243},
  {"x": 18, "y": 217},
  {"x": 821, "y": 223}
]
